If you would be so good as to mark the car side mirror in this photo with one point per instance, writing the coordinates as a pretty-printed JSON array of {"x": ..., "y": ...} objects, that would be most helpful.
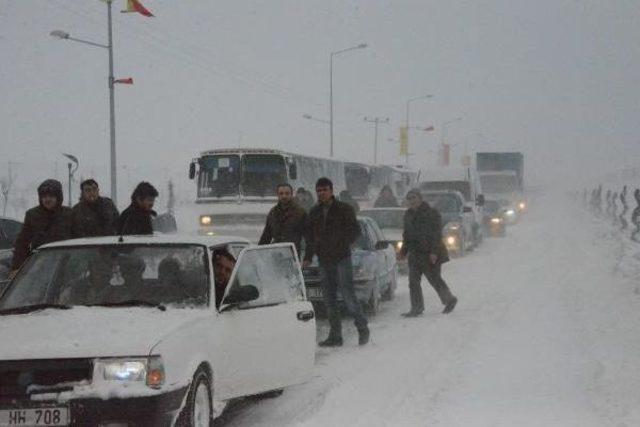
[
  {"x": 480, "y": 200},
  {"x": 293, "y": 170},
  {"x": 382, "y": 244},
  {"x": 192, "y": 170},
  {"x": 467, "y": 209}
]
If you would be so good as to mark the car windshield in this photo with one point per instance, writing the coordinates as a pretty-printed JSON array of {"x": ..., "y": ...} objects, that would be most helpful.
[
  {"x": 491, "y": 206},
  {"x": 392, "y": 218},
  {"x": 219, "y": 176},
  {"x": 499, "y": 183},
  {"x": 111, "y": 275},
  {"x": 443, "y": 202},
  {"x": 262, "y": 173}
]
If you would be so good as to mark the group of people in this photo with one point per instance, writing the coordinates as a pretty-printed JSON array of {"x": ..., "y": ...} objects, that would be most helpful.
[
  {"x": 329, "y": 229},
  {"x": 92, "y": 216}
]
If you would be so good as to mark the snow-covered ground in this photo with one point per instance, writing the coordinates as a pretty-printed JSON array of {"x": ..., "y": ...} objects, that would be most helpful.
[{"x": 546, "y": 334}]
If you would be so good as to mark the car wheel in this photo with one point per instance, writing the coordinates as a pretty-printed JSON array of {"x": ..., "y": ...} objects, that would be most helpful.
[{"x": 198, "y": 411}]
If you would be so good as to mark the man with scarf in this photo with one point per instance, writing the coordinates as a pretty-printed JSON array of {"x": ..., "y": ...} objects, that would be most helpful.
[
  {"x": 46, "y": 223},
  {"x": 286, "y": 221},
  {"x": 94, "y": 215}
]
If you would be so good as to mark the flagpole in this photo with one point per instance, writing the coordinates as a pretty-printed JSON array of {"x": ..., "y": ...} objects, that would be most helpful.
[{"x": 112, "y": 109}]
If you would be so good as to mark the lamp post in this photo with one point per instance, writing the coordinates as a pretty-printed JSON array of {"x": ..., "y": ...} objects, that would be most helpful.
[
  {"x": 338, "y": 52},
  {"x": 112, "y": 120},
  {"x": 409, "y": 101},
  {"x": 376, "y": 121},
  {"x": 73, "y": 161}
]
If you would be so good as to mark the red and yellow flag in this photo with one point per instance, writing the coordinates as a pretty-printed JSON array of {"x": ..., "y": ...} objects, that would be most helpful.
[{"x": 136, "y": 6}]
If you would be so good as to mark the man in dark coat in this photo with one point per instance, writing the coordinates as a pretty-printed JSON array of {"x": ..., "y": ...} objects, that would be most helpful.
[
  {"x": 423, "y": 243},
  {"x": 386, "y": 199},
  {"x": 332, "y": 229},
  {"x": 93, "y": 215},
  {"x": 46, "y": 223},
  {"x": 286, "y": 221},
  {"x": 137, "y": 218}
]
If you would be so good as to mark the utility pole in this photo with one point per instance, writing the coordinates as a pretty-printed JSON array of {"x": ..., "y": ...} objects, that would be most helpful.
[
  {"x": 376, "y": 121},
  {"x": 112, "y": 109}
]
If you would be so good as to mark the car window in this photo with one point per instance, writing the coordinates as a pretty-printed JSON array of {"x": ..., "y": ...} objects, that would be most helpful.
[{"x": 274, "y": 271}]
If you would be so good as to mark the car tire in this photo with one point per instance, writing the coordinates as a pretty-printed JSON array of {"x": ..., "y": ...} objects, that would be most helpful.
[{"x": 198, "y": 410}]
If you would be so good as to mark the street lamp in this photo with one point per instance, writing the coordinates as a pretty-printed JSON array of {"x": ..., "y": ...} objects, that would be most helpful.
[
  {"x": 73, "y": 161},
  {"x": 338, "y": 52},
  {"x": 63, "y": 35},
  {"x": 409, "y": 101}
]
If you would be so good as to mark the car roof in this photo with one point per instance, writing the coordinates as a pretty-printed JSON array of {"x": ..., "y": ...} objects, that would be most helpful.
[
  {"x": 457, "y": 193},
  {"x": 155, "y": 239},
  {"x": 382, "y": 209}
]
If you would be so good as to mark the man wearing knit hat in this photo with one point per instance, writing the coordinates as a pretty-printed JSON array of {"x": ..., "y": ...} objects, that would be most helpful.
[{"x": 46, "y": 223}]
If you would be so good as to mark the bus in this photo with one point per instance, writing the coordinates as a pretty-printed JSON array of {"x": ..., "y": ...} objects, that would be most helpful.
[{"x": 236, "y": 186}]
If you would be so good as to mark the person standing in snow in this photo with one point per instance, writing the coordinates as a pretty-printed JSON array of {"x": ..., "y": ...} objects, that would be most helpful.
[
  {"x": 46, "y": 223},
  {"x": 93, "y": 215},
  {"x": 137, "y": 218},
  {"x": 422, "y": 237},
  {"x": 286, "y": 221}
]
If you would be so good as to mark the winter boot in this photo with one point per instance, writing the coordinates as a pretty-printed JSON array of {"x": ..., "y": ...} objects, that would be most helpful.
[
  {"x": 450, "y": 305},
  {"x": 331, "y": 342},
  {"x": 363, "y": 336}
]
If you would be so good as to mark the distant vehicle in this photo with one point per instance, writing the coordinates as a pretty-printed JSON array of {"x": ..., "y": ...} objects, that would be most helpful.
[
  {"x": 391, "y": 222},
  {"x": 364, "y": 182},
  {"x": 502, "y": 177},
  {"x": 466, "y": 182},
  {"x": 374, "y": 270},
  {"x": 457, "y": 220},
  {"x": 9, "y": 230},
  {"x": 495, "y": 223},
  {"x": 144, "y": 343}
]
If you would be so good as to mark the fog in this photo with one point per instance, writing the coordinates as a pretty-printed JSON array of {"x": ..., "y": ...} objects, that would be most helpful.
[{"x": 554, "y": 79}]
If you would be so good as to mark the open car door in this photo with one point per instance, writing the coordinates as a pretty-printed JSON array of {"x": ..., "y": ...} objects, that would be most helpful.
[{"x": 268, "y": 342}]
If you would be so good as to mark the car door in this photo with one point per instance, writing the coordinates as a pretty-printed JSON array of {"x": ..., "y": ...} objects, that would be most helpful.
[{"x": 268, "y": 343}]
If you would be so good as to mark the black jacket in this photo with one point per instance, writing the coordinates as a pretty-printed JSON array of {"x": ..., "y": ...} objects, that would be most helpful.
[
  {"x": 41, "y": 226},
  {"x": 331, "y": 239},
  {"x": 135, "y": 221},
  {"x": 94, "y": 219},
  {"x": 285, "y": 223},
  {"x": 423, "y": 233}
]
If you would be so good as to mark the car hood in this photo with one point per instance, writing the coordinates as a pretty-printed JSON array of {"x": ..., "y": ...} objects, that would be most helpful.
[
  {"x": 394, "y": 234},
  {"x": 450, "y": 216},
  {"x": 85, "y": 332}
]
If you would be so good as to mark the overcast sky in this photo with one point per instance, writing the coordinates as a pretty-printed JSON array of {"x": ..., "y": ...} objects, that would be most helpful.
[{"x": 556, "y": 79}]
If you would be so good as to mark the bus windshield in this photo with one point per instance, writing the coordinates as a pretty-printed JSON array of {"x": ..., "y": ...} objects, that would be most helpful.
[
  {"x": 262, "y": 173},
  {"x": 219, "y": 176}
]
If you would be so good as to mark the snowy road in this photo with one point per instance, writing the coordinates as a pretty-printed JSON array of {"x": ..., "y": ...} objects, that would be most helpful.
[{"x": 545, "y": 334}]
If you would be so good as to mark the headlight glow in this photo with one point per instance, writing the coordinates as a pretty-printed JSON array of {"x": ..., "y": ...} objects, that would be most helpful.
[
  {"x": 496, "y": 220},
  {"x": 451, "y": 240},
  {"x": 125, "y": 370},
  {"x": 522, "y": 205},
  {"x": 205, "y": 220},
  {"x": 510, "y": 212},
  {"x": 453, "y": 226},
  {"x": 399, "y": 245}
]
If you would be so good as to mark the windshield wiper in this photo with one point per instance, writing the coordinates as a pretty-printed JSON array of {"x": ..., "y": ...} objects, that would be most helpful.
[
  {"x": 130, "y": 303},
  {"x": 30, "y": 308}
]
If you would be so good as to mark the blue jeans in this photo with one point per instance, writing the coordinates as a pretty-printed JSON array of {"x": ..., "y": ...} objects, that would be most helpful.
[{"x": 340, "y": 275}]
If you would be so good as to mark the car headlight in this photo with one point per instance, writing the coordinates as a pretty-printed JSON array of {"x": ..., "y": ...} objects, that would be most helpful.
[
  {"x": 147, "y": 370},
  {"x": 451, "y": 240},
  {"x": 399, "y": 246},
  {"x": 205, "y": 220},
  {"x": 510, "y": 212},
  {"x": 453, "y": 226},
  {"x": 496, "y": 220},
  {"x": 522, "y": 205}
]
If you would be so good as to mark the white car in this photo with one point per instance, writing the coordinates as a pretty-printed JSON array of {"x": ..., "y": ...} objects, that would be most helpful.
[{"x": 125, "y": 331}]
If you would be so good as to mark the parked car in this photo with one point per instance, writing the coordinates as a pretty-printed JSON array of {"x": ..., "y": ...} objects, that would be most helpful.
[
  {"x": 391, "y": 222},
  {"x": 457, "y": 220},
  {"x": 374, "y": 270},
  {"x": 125, "y": 331},
  {"x": 494, "y": 222}
]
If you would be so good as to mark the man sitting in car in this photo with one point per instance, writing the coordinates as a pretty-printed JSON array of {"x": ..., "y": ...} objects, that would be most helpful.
[{"x": 223, "y": 264}]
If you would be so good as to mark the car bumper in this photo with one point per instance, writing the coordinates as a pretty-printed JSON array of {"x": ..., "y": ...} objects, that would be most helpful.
[{"x": 156, "y": 410}]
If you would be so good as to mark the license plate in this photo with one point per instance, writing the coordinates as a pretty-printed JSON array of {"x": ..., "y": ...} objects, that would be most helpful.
[
  {"x": 314, "y": 292},
  {"x": 34, "y": 417}
]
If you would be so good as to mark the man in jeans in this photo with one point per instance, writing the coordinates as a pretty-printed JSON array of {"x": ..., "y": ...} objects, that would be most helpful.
[
  {"x": 332, "y": 229},
  {"x": 422, "y": 238}
]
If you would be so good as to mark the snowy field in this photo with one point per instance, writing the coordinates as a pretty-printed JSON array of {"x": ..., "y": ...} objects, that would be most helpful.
[{"x": 546, "y": 333}]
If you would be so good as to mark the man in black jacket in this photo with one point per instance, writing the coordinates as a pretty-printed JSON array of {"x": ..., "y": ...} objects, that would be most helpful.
[
  {"x": 46, "y": 223},
  {"x": 93, "y": 215},
  {"x": 422, "y": 238},
  {"x": 332, "y": 229},
  {"x": 286, "y": 221},
  {"x": 137, "y": 218}
]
